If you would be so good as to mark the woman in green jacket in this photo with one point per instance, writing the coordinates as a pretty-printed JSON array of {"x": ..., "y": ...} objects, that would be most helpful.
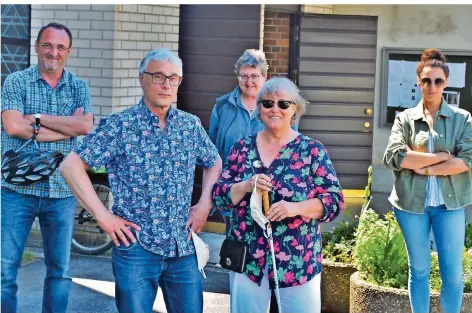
[{"x": 430, "y": 153}]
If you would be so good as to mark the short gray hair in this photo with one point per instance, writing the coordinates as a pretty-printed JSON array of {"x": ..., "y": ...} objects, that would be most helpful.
[
  {"x": 252, "y": 58},
  {"x": 277, "y": 85},
  {"x": 161, "y": 55}
]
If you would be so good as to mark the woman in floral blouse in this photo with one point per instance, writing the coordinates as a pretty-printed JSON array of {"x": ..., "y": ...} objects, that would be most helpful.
[{"x": 303, "y": 190}]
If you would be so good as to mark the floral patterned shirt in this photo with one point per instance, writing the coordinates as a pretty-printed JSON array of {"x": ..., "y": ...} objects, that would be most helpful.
[
  {"x": 151, "y": 171},
  {"x": 302, "y": 170}
]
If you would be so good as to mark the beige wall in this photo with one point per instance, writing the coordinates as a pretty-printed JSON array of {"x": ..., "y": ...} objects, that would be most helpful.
[
  {"x": 109, "y": 42},
  {"x": 409, "y": 26}
]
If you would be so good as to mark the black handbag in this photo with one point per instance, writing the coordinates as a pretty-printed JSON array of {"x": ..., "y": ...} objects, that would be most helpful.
[{"x": 233, "y": 255}]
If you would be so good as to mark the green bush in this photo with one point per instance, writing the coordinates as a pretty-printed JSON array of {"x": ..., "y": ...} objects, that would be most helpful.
[
  {"x": 435, "y": 277},
  {"x": 339, "y": 243},
  {"x": 380, "y": 254},
  {"x": 468, "y": 236}
]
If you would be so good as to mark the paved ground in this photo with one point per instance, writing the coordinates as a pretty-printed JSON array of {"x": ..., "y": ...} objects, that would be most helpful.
[{"x": 93, "y": 284}]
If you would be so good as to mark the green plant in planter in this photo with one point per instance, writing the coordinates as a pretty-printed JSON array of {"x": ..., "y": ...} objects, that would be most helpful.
[
  {"x": 468, "y": 235},
  {"x": 435, "y": 277},
  {"x": 380, "y": 254},
  {"x": 339, "y": 243}
]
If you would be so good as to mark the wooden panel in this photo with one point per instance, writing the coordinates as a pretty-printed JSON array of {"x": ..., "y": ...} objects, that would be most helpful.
[
  {"x": 334, "y": 124},
  {"x": 341, "y": 138},
  {"x": 337, "y": 110},
  {"x": 349, "y": 153},
  {"x": 330, "y": 37},
  {"x": 337, "y": 66},
  {"x": 325, "y": 95},
  {"x": 358, "y": 53},
  {"x": 352, "y": 181},
  {"x": 331, "y": 81},
  {"x": 348, "y": 23},
  {"x": 208, "y": 83},
  {"x": 222, "y": 11},
  {"x": 346, "y": 167},
  {"x": 238, "y": 28}
]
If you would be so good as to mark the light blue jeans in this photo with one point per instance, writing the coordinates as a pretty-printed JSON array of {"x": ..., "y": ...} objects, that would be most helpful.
[
  {"x": 449, "y": 232},
  {"x": 139, "y": 273},
  {"x": 56, "y": 219}
]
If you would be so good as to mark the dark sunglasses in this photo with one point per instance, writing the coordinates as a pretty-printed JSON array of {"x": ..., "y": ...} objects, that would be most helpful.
[
  {"x": 283, "y": 104},
  {"x": 428, "y": 82}
]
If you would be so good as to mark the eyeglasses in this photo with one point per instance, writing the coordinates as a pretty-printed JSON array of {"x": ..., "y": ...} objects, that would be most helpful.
[
  {"x": 244, "y": 77},
  {"x": 283, "y": 104},
  {"x": 49, "y": 46},
  {"x": 160, "y": 78},
  {"x": 438, "y": 82}
]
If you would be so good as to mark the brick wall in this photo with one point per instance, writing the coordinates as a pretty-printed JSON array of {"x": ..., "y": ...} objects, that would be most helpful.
[
  {"x": 317, "y": 8},
  {"x": 277, "y": 42},
  {"x": 109, "y": 42}
]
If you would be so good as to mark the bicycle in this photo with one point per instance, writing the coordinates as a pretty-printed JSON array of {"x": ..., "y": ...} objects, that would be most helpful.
[{"x": 88, "y": 237}]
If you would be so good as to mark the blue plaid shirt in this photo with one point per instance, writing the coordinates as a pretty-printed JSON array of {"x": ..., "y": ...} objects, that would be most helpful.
[
  {"x": 27, "y": 92},
  {"x": 151, "y": 171}
]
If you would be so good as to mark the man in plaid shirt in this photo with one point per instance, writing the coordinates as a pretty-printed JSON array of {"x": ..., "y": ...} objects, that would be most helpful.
[{"x": 63, "y": 102}]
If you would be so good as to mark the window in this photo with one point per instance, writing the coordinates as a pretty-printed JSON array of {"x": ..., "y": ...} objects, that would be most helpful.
[
  {"x": 16, "y": 21},
  {"x": 399, "y": 90}
]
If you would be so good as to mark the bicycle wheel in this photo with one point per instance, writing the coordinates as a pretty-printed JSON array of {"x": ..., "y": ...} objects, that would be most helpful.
[{"x": 89, "y": 238}]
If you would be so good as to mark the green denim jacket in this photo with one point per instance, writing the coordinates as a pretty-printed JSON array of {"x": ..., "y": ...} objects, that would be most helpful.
[{"x": 453, "y": 132}]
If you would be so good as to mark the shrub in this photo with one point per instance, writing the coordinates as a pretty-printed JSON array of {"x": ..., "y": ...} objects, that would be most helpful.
[{"x": 339, "y": 243}]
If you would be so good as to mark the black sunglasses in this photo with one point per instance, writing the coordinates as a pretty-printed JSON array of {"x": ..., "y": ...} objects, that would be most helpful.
[
  {"x": 283, "y": 104},
  {"x": 428, "y": 82}
]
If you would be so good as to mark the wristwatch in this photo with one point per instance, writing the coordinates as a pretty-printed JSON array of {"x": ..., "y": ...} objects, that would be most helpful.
[{"x": 37, "y": 116}]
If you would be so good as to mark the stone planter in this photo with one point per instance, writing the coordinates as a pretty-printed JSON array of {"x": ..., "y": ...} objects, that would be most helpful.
[
  {"x": 369, "y": 298},
  {"x": 335, "y": 286}
]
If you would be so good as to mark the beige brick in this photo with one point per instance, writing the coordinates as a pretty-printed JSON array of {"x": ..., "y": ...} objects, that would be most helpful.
[
  {"x": 133, "y": 72},
  {"x": 129, "y": 82},
  {"x": 107, "y": 72},
  {"x": 109, "y": 16},
  {"x": 162, "y": 37},
  {"x": 116, "y": 82},
  {"x": 101, "y": 44},
  {"x": 82, "y": 62},
  {"x": 108, "y": 34},
  {"x": 167, "y": 28},
  {"x": 135, "y": 91},
  {"x": 162, "y": 20},
  {"x": 103, "y": 25},
  {"x": 136, "y": 36},
  {"x": 100, "y": 82},
  {"x": 81, "y": 43},
  {"x": 157, "y": 10},
  {"x": 103, "y": 7},
  {"x": 90, "y": 34},
  {"x": 120, "y": 92},
  {"x": 94, "y": 91},
  {"x": 108, "y": 53},
  {"x": 89, "y": 72},
  {"x": 157, "y": 28},
  {"x": 147, "y": 9},
  {"x": 167, "y": 45},
  {"x": 79, "y": 7},
  {"x": 102, "y": 63},
  {"x": 128, "y": 63},
  {"x": 128, "y": 26},
  {"x": 172, "y": 37},
  {"x": 122, "y": 35},
  {"x": 136, "y": 17},
  {"x": 168, "y": 11},
  {"x": 143, "y": 27},
  {"x": 137, "y": 54},
  {"x": 177, "y": 12},
  {"x": 121, "y": 54},
  {"x": 143, "y": 45},
  {"x": 120, "y": 73},
  {"x": 90, "y": 53},
  {"x": 130, "y": 8},
  {"x": 128, "y": 45},
  {"x": 107, "y": 92},
  {"x": 172, "y": 20},
  {"x": 117, "y": 63},
  {"x": 79, "y": 24},
  {"x": 175, "y": 46},
  {"x": 102, "y": 101},
  {"x": 153, "y": 19},
  {"x": 36, "y": 6},
  {"x": 117, "y": 44},
  {"x": 150, "y": 37},
  {"x": 42, "y": 14},
  {"x": 95, "y": 108},
  {"x": 123, "y": 17},
  {"x": 70, "y": 15},
  {"x": 128, "y": 101},
  {"x": 175, "y": 29},
  {"x": 95, "y": 16},
  {"x": 36, "y": 23}
]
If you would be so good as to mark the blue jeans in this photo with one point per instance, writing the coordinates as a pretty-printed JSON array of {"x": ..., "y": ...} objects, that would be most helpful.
[
  {"x": 449, "y": 232},
  {"x": 56, "y": 219},
  {"x": 139, "y": 272}
]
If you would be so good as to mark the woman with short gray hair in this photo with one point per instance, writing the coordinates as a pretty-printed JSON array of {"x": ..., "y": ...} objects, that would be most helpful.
[
  {"x": 235, "y": 114},
  {"x": 304, "y": 192}
]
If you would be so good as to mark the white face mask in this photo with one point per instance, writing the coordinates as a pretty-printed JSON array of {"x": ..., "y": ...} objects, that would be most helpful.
[
  {"x": 256, "y": 208},
  {"x": 202, "y": 251}
]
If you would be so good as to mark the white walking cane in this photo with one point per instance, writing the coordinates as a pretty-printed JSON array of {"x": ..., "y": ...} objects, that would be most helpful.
[{"x": 261, "y": 220}]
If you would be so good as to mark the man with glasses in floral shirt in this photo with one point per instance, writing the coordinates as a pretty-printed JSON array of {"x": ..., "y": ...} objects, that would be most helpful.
[
  {"x": 61, "y": 102},
  {"x": 150, "y": 152}
]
